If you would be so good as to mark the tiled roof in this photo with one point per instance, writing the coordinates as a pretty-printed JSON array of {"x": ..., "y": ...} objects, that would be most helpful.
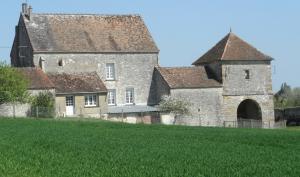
[
  {"x": 188, "y": 77},
  {"x": 36, "y": 77},
  {"x": 77, "y": 83},
  {"x": 89, "y": 33},
  {"x": 231, "y": 47}
]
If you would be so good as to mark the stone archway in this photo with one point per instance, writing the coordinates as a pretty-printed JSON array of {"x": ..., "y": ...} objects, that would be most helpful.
[
  {"x": 249, "y": 109},
  {"x": 249, "y": 114}
]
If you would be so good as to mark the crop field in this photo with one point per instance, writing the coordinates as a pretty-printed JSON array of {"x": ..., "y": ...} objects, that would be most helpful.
[{"x": 30, "y": 148}]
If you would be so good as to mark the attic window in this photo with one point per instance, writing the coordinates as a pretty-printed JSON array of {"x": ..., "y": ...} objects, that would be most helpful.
[
  {"x": 247, "y": 74},
  {"x": 60, "y": 62}
]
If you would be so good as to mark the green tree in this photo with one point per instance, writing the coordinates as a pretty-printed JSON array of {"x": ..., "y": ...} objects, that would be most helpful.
[
  {"x": 287, "y": 97},
  {"x": 43, "y": 105},
  {"x": 13, "y": 86}
]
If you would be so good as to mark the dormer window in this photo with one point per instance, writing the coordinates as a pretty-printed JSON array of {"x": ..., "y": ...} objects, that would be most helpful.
[{"x": 247, "y": 74}]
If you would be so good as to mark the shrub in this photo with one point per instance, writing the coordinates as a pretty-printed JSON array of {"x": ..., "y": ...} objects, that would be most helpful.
[
  {"x": 43, "y": 105},
  {"x": 177, "y": 106}
]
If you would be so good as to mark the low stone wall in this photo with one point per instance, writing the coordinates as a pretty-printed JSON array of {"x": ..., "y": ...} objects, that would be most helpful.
[
  {"x": 135, "y": 118},
  {"x": 21, "y": 110}
]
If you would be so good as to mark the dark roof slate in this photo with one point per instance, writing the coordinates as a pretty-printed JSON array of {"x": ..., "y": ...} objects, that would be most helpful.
[
  {"x": 188, "y": 77},
  {"x": 88, "y": 33},
  {"x": 232, "y": 48},
  {"x": 77, "y": 83},
  {"x": 36, "y": 77}
]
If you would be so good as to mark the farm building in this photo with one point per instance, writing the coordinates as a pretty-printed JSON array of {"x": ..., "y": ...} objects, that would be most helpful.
[{"x": 231, "y": 82}]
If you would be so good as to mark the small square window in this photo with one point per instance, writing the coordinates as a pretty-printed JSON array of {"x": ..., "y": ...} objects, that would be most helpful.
[
  {"x": 247, "y": 74},
  {"x": 60, "y": 62}
]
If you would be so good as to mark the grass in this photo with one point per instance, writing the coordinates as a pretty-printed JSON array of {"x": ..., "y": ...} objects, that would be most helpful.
[{"x": 95, "y": 148}]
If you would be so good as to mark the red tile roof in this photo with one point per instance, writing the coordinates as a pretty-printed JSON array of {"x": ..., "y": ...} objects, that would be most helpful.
[
  {"x": 231, "y": 47},
  {"x": 37, "y": 78},
  {"x": 188, "y": 77},
  {"x": 77, "y": 83}
]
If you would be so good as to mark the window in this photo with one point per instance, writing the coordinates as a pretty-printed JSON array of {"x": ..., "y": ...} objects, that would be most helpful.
[
  {"x": 129, "y": 96},
  {"x": 69, "y": 101},
  {"x": 247, "y": 74},
  {"x": 23, "y": 51},
  {"x": 90, "y": 100},
  {"x": 110, "y": 71},
  {"x": 111, "y": 97},
  {"x": 41, "y": 63},
  {"x": 60, "y": 62}
]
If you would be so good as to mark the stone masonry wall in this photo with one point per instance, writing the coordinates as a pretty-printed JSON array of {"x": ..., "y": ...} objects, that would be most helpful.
[
  {"x": 206, "y": 109},
  {"x": 231, "y": 103},
  {"x": 234, "y": 82},
  {"x": 131, "y": 70},
  {"x": 237, "y": 89},
  {"x": 79, "y": 108},
  {"x": 158, "y": 89}
]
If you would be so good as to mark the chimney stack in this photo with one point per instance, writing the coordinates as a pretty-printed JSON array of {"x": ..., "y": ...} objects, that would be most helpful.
[
  {"x": 24, "y": 8},
  {"x": 29, "y": 12}
]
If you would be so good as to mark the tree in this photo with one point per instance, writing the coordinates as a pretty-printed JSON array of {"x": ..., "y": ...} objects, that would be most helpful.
[
  {"x": 287, "y": 97},
  {"x": 174, "y": 105},
  {"x": 13, "y": 86},
  {"x": 43, "y": 104}
]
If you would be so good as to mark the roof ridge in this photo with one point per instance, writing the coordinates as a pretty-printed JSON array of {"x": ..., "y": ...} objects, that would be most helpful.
[
  {"x": 175, "y": 67},
  {"x": 87, "y": 14},
  {"x": 226, "y": 44}
]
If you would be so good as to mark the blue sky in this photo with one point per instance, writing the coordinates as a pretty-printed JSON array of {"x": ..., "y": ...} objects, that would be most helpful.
[{"x": 184, "y": 30}]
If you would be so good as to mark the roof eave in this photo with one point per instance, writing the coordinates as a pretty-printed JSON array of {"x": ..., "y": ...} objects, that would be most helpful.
[{"x": 72, "y": 93}]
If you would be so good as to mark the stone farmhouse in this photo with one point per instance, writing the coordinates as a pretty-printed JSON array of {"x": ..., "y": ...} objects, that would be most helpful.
[{"x": 107, "y": 66}]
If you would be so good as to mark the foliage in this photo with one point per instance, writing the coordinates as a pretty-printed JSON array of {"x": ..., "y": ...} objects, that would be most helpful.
[
  {"x": 174, "y": 105},
  {"x": 43, "y": 105},
  {"x": 287, "y": 97},
  {"x": 78, "y": 148},
  {"x": 13, "y": 85}
]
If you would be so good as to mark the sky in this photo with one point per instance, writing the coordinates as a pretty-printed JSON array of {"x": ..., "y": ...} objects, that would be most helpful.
[{"x": 185, "y": 29}]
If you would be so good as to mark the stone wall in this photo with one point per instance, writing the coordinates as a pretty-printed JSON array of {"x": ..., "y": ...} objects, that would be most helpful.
[
  {"x": 131, "y": 70},
  {"x": 231, "y": 103},
  {"x": 206, "y": 109},
  {"x": 79, "y": 108},
  {"x": 158, "y": 88},
  {"x": 234, "y": 82},
  {"x": 21, "y": 110}
]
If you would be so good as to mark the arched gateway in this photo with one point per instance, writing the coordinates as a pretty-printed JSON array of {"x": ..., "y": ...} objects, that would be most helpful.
[{"x": 249, "y": 114}]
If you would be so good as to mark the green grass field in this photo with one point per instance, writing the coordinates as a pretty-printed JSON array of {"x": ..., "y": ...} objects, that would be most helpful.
[{"x": 95, "y": 148}]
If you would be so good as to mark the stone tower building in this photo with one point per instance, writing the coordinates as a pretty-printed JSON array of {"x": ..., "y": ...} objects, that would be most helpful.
[{"x": 232, "y": 81}]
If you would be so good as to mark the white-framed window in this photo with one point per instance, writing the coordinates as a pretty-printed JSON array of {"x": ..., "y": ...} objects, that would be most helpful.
[
  {"x": 69, "y": 101},
  {"x": 90, "y": 100},
  {"x": 110, "y": 71},
  {"x": 111, "y": 97},
  {"x": 129, "y": 96}
]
